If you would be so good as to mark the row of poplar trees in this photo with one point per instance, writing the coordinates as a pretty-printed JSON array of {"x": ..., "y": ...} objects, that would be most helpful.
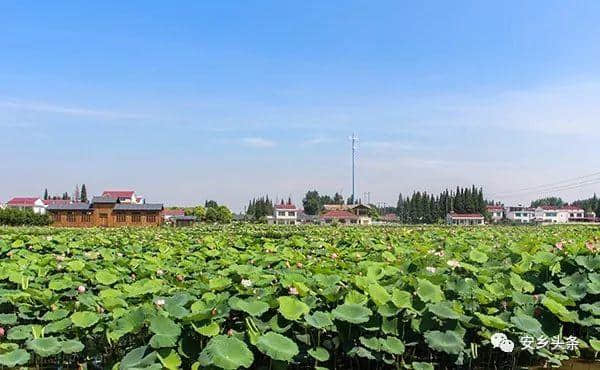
[{"x": 422, "y": 207}]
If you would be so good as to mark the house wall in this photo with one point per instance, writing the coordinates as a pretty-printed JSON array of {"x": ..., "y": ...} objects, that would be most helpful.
[{"x": 77, "y": 219}]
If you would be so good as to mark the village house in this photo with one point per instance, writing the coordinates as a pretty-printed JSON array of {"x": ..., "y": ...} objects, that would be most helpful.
[
  {"x": 124, "y": 196},
  {"x": 357, "y": 214},
  {"x": 35, "y": 204},
  {"x": 284, "y": 214},
  {"x": 550, "y": 214},
  {"x": 168, "y": 214},
  {"x": 464, "y": 219},
  {"x": 496, "y": 213},
  {"x": 520, "y": 214},
  {"x": 105, "y": 212}
]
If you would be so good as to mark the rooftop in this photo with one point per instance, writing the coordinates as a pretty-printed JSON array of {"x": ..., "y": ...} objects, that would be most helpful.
[
  {"x": 138, "y": 207},
  {"x": 22, "y": 201},
  {"x": 340, "y": 215}
]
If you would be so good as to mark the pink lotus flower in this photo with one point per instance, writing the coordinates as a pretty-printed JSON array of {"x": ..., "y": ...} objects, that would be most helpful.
[
  {"x": 180, "y": 277},
  {"x": 453, "y": 263},
  {"x": 560, "y": 246},
  {"x": 230, "y": 332},
  {"x": 293, "y": 291},
  {"x": 334, "y": 255},
  {"x": 81, "y": 289},
  {"x": 1, "y": 332}
]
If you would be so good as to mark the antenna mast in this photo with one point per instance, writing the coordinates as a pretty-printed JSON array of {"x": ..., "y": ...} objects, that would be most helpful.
[{"x": 354, "y": 139}]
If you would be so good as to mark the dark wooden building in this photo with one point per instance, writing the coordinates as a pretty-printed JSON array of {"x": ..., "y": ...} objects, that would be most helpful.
[{"x": 106, "y": 212}]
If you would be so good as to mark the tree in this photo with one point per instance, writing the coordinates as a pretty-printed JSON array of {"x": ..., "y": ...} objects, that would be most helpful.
[
  {"x": 83, "y": 194},
  {"x": 338, "y": 199},
  {"x": 259, "y": 208},
  {"x": 210, "y": 204},
  {"x": 45, "y": 194},
  {"x": 65, "y": 196},
  {"x": 76, "y": 194},
  {"x": 350, "y": 200},
  {"x": 312, "y": 203},
  {"x": 548, "y": 201}
]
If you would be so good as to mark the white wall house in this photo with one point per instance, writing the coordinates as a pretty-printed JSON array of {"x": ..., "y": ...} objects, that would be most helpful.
[
  {"x": 564, "y": 214},
  {"x": 464, "y": 219},
  {"x": 496, "y": 213},
  {"x": 284, "y": 214},
  {"x": 520, "y": 214},
  {"x": 35, "y": 204},
  {"x": 124, "y": 196}
]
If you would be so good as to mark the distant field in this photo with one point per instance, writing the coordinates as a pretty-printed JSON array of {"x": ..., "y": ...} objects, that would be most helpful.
[{"x": 301, "y": 297}]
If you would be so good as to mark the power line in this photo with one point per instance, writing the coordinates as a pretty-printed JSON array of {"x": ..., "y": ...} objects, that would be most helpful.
[
  {"x": 543, "y": 186},
  {"x": 556, "y": 189}
]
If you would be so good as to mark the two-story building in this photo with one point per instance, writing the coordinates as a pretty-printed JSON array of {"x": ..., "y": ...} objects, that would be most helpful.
[
  {"x": 520, "y": 214},
  {"x": 464, "y": 219},
  {"x": 563, "y": 214},
  {"x": 358, "y": 214},
  {"x": 284, "y": 214},
  {"x": 496, "y": 212}
]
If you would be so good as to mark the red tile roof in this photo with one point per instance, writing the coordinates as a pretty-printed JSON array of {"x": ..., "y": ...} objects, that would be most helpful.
[
  {"x": 22, "y": 201},
  {"x": 56, "y": 201},
  {"x": 340, "y": 215},
  {"x": 466, "y": 215},
  {"x": 174, "y": 212},
  {"x": 390, "y": 217},
  {"x": 498, "y": 208},
  {"x": 118, "y": 193},
  {"x": 285, "y": 206},
  {"x": 563, "y": 208}
]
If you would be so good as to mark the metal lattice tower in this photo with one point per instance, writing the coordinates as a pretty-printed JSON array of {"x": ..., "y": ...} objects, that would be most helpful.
[{"x": 354, "y": 139}]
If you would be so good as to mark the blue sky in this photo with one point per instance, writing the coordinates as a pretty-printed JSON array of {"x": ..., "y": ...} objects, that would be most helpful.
[{"x": 230, "y": 100}]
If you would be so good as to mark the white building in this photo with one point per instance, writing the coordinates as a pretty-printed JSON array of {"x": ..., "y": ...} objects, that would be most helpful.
[
  {"x": 464, "y": 219},
  {"x": 35, "y": 204},
  {"x": 520, "y": 214},
  {"x": 124, "y": 196},
  {"x": 284, "y": 214},
  {"x": 564, "y": 214},
  {"x": 496, "y": 213}
]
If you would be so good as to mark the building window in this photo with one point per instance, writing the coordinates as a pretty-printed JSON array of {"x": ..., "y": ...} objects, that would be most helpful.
[
  {"x": 86, "y": 218},
  {"x": 293, "y": 214},
  {"x": 56, "y": 217},
  {"x": 70, "y": 217},
  {"x": 136, "y": 218},
  {"x": 151, "y": 218},
  {"x": 121, "y": 218},
  {"x": 281, "y": 213}
]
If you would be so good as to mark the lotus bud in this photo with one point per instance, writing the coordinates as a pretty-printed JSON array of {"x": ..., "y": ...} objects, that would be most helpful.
[
  {"x": 100, "y": 309},
  {"x": 287, "y": 264},
  {"x": 246, "y": 283},
  {"x": 59, "y": 267},
  {"x": 180, "y": 277},
  {"x": 1, "y": 332},
  {"x": 81, "y": 289},
  {"x": 293, "y": 291},
  {"x": 299, "y": 265},
  {"x": 160, "y": 303},
  {"x": 60, "y": 258},
  {"x": 54, "y": 307},
  {"x": 537, "y": 312},
  {"x": 160, "y": 272},
  {"x": 120, "y": 254},
  {"x": 133, "y": 276},
  {"x": 334, "y": 255},
  {"x": 77, "y": 304},
  {"x": 213, "y": 312},
  {"x": 230, "y": 332},
  {"x": 560, "y": 246}
]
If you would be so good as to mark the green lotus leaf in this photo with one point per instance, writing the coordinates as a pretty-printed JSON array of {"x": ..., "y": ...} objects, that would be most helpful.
[
  {"x": 527, "y": 324},
  {"x": 443, "y": 310},
  {"x": 106, "y": 278},
  {"x": 209, "y": 330},
  {"x": 429, "y": 292},
  {"x": 449, "y": 341},
  {"x": 319, "y": 320},
  {"x": 251, "y": 306},
  {"x": 55, "y": 315},
  {"x": 61, "y": 284},
  {"x": 75, "y": 266},
  {"x": 291, "y": 308},
  {"x": 401, "y": 299},
  {"x": 378, "y": 294},
  {"x": 559, "y": 310},
  {"x": 19, "y": 332},
  {"x": 172, "y": 361},
  {"x": 45, "y": 347},
  {"x": 352, "y": 313},
  {"x": 422, "y": 366},
  {"x": 227, "y": 353},
  {"x": 519, "y": 284},
  {"x": 371, "y": 343},
  {"x": 71, "y": 346},
  {"x": 478, "y": 256},
  {"x": 8, "y": 318},
  {"x": 164, "y": 326},
  {"x": 84, "y": 319},
  {"x": 492, "y": 321},
  {"x": 14, "y": 358},
  {"x": 163, "y": 341},
  {"x": 392, "y": 345},
  {"x": 319, "y": 354},
  {"x": 57, "y": 326},
  {"x": 277, "y": 346},
  {"x": 595, "y": 344},
  {"x": 138, "y": 358},
  {"x": 219, "y": 283}
]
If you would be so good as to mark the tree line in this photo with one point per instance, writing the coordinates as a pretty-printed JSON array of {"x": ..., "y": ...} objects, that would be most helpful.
[
  {"x": 26, "y": 217},
  {"x": 211, "y": 212},
  {"x": 423, "y": 207},
  {"x": 78, "y": 195}
]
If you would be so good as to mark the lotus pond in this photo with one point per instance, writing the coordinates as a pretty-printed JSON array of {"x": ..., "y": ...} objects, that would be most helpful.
[{"x": 299, "y": 297}]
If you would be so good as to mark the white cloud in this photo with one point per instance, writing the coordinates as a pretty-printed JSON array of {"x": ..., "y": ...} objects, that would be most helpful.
[
  {"x": 73, "y": 111},
  {"x": 318, "y": 140},
  {"x": 258, "y": 142}
]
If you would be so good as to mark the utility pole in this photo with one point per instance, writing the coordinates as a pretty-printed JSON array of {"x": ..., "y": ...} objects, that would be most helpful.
[{"x": 354, "y": 139}]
